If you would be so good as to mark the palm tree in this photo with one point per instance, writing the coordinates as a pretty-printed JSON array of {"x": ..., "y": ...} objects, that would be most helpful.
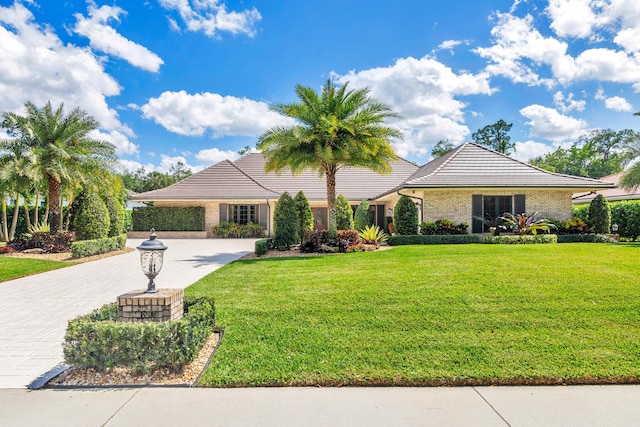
[
  {"x": 60, "y": 147},
  {"x": 336, "y": 128},
  {"x": 631, "y": 179}
]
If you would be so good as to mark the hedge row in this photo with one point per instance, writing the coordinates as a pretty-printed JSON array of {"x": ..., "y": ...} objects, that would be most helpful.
[
  {"x": 585, "y": 238},
  {"x": 521, "y": 240},
  {"x": 625, "y": 213},
  {"x": 432, "y": 239},
  {"x": 189, "y": 218},
  {"x": 99, "y": 342},
  {"x": 98, "y": 246}
]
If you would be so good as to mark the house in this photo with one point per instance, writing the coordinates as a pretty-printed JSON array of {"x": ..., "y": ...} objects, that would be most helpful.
[
  {"x": 612, "y": 194},
  {"x": 471, "y": 180}
]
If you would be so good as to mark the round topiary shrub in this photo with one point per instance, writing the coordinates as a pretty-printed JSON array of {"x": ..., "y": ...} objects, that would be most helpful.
[
  {"x": 285, "y": 219},
  {"x": 304, "y": 220},
  {"x": 600, "y": 214},
  {"x": 90, "y": 217},
  {"x": 116, "y": 216},
  {"x": 362, "y": 218},
  {"x": 405, "y": 217},
  {"x": 344, "y": 214}
]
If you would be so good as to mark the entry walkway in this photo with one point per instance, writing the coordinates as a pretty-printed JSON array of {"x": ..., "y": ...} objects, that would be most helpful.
[{"x": 36, "y": 309}]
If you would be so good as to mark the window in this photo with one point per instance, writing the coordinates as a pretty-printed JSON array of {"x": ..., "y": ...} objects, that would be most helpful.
[
  {"x": 243, "y": 214},
  {"x": 496, "y": 206},
  {"x": 492, "y": 207}
]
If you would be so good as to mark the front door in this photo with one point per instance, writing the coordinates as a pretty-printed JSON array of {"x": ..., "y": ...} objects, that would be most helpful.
[{"x": 320, "y": 218}]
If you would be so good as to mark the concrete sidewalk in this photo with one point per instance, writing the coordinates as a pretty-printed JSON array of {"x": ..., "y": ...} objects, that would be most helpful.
[
  {"x": 36, "y": 309},
  {"x": 366, "y": 406}
]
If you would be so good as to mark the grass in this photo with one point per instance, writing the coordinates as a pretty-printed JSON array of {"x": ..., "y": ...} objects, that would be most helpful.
[
  {"x": 430, "y": 315},
  {"x": 13, "y": 268}
]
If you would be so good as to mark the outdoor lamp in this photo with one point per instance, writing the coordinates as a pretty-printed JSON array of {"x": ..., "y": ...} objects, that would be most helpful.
[
  {"x": 151, "y": 254},
  {"x": 390, "y": 212},
  {"x": 614, "y": 228}
]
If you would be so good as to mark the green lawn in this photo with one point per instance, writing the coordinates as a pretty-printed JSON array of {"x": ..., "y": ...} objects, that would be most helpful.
[
  {"x": 12, "y": 268},
  {"x": 430, "y": 315}
]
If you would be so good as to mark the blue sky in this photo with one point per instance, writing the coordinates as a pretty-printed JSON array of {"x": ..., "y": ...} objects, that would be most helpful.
[{"x": 191, "y": 80}]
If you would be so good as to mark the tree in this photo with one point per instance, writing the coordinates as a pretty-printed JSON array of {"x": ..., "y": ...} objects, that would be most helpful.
[
  {"x": 90, "y": 217},
  {"x": 631, "y": 178},
  {"x": 441, "y": 147},
  {"x": 600, "y": 153},
  {"x": 405, "y": 216},
  {"x": 304, "y": 220},
  {"x": 179, "y": 171},
  {"x": 284, "y": 223},
  {"x": 334, "y": 129},
  {"x": 344, "y": 214},
  {"x": 362, "y": 218},
  {"x": 496, "y": 137},
  {"x": 600, "y": 214},
  {"x": 60, "y": 147}
]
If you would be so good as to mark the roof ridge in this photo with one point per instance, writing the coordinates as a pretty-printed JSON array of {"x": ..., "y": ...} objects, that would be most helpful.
[
  {"x": 250, "y": 177},
  {"x": 451, "y": 154}
]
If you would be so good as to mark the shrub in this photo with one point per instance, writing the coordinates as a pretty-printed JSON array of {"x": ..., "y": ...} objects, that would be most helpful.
[
  {"x": 231, "y": 229},
  {"x": 585, "y": 238},
  {"x": 627, "y": 215},
  {"x": 53, "y": 243},
  {"x": 98, "y": 246},
  {"x": 116, "y": 216},
  {"x": 262, "y": 246},
  {"x": 405, "y": 217},
  {"x": 572, "y": 226},
  {"x": 362, "y": 218},
  {"x": 372, "y": 235},
  {"x": 581, "y": 211},
  {"x": 284, "y": 223},
  {"x": 443, "y": 226},
  {"x": 600, "y": 214},
  {"x": 100, "y": 342},
  {"x": 350, "y": 236},
  {"x": 432, "y": 240},
  {"x": 304, "y": 221},
  {"x": 6, "y": 249},
  {"x": 90, "y": 217},
  {"x": 526, "y": 224},
  {"x": 188, "y": 218},
  {"x": 344, "y": 214},
  {"x": 521, "y": 239},
  {"x": 128, "y": 225}
]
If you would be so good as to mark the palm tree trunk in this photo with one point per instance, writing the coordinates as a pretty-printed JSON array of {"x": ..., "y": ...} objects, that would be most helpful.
[
  {"x": 14, "y": 220},
  {"x": 330, "y": 174},
  {"x": 35, "y": 214},
  {"x": 54, "y": 205},
  {"x": 5, "y": 230},
  {"x": 27, "y": 215}
]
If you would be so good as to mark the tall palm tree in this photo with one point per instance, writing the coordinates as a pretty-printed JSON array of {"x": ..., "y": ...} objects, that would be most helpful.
[
  {"x": 60, "y": 148},
  {"x": 336, "y": 128}
]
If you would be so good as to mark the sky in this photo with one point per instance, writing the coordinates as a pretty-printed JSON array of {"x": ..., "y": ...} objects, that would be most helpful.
[{"x": 191, "y": 81}]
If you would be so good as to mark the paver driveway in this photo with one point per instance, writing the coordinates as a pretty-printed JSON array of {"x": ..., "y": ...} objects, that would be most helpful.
[{"x": 35, "y": 309}]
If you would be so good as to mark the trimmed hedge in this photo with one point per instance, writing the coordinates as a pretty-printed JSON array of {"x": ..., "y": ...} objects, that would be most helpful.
[
  {"x": 98, "y": 341},
  {"x": 521, "y": 240},
  {"x": 190, "y": 218},
  {"x": 432, "y": 239},
  {"x": 98, "y": 246},
  {"x": 585, "y": 238},
  {"x": 263, "y": 245}
]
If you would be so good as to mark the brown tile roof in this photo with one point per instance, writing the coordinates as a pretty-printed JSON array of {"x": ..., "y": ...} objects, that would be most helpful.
[
  {"x": 472, "y": 165},
  {"x": 612, "y": 194}
]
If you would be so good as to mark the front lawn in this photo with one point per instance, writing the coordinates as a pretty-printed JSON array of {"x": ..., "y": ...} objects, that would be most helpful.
[
  {"x": 13, "y": 268},
  {"x": 430, "y": 315}
]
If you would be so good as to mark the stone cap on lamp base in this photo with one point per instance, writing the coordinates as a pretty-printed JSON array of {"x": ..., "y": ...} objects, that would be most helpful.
[{"x": 138, "y": 306}]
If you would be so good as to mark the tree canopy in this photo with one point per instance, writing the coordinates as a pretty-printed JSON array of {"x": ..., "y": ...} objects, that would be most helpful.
[
  {"x": 496, "y": 137},
  {"x": 336, "y": 128},
  {"x": 441, "y": 147},
  {"x": 141, "y": 181}
]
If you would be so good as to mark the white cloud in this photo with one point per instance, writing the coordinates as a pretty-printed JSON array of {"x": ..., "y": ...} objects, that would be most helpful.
[
  {"x": 574, "y": 18},
  {"x": 166, "y": 162},
  {"x": 214, "y": 155},
  {"x": 529, "y": 149},
  {"x": 616, "y": 103},
  {"x": 212, "y": 17},
  {"x": 37, "y": 66},
  {"x": 119, "y": 138},
  {"x": 195, "y": 115},
  {"x": 132, "y": 166},
  {"x": 104, "y": 38},
  {"x": 549, "y": 124},
  {"x": 567, "y": 103},
  {"x": 423, "y": 91}
]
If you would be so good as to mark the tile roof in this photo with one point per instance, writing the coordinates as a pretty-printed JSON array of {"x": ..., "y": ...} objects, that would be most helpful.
[
  {"x": 612, "y": 194},
  {"x": 472, "y": 165}
]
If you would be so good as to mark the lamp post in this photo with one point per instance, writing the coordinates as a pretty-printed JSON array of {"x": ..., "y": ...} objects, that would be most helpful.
[
  {"x": 151, "y": 255},
  {"x": 614, "y": 228}
]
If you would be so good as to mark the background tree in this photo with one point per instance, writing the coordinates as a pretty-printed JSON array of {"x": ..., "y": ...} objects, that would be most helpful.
[
  {"x": 344, "y": 214},
  {"x": 362, "y": 217},
  {"x": 336, "y": 128},
  {"x": 60, "y": 147},
  {"x": 285, "y": 223},
  {"x": 304, "y": 220},
  {"x": 141, "y": 181},
  {"x": 405, "y": 216},
  {"x": 441, "y": 147},
  {"x": 496, "y": 137},
  {"x": 600, "y": 153},
  {"x": 600, "y": 214}
]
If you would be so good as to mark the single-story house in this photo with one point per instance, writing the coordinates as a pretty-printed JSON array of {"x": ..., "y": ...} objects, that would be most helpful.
[
  {"x": 612, "y": 194},
  {"x": 471, "y": 180}
]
